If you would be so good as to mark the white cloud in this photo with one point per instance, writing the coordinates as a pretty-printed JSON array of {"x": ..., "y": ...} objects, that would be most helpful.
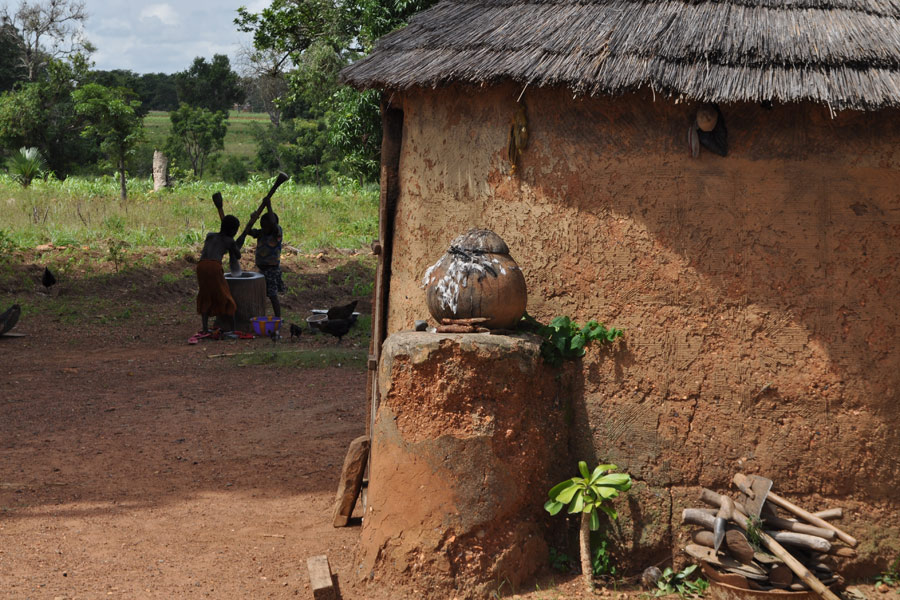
[{"x": 163, "y": 12}]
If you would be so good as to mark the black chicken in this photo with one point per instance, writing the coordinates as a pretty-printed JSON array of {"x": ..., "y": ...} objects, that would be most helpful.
[
  {"x": 48, "y": 279},
  {"x": 342, "y": 312},
  {"x": 9, "y": 318},
  {"x": 296, "y": 330},
  {"x": 337, "y": 327}
]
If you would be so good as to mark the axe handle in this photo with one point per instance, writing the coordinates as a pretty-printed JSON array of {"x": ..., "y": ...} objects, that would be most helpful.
[
  {"x": 831, "y": 513},
  {"x": 778, "y": 550},
  {"x": 713, "y": 499},
  {"x": 798, "y": 527},
  {"x": 810, "y": 518}
]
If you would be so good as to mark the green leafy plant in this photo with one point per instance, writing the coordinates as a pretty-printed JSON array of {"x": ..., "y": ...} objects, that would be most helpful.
[
  {"x": 117, "y": 252},
  {"x": 26, "y": 165},
  {"x": 559, "y": 560},
  {"x": 602, "y": 560},
  {"x": 891, "y": 576},
  {"x": 564, "y": 339},
  {"x": 672, "y": 582},
  {"x": 587, "y": 495}
]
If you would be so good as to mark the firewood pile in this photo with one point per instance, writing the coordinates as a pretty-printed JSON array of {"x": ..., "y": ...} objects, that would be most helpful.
[{"x": 761, "y": 541}]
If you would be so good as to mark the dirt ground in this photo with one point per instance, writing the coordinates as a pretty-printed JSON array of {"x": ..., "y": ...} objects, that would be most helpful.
[{"x": 135, "y": 465}]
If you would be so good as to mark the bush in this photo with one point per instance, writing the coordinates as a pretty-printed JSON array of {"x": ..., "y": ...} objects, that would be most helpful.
[
  {"x": 26, "y": 165},
  {"x": 234, "y": 170}
]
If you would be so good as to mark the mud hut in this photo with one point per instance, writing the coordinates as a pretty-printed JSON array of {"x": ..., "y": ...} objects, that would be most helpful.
[{"x": 757, "y": 290}]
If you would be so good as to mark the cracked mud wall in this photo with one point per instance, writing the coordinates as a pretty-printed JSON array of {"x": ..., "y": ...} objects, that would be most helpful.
[{"x": 758, "y": 292}]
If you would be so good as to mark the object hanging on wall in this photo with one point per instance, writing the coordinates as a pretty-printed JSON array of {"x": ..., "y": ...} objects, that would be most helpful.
[
  {"x": 476, "y": 278},
  {"x": 708, "y": 130},
  {"x": 517, "y": 139}
]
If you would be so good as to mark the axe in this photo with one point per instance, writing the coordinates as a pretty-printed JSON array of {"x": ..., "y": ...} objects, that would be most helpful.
[
  {"x": 726, "y": 511},
  {"x": 753, "y": 489}
]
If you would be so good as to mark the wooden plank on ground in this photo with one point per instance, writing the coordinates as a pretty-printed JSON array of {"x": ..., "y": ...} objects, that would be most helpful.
[
  {"x": 351, "y": 480},
  {"x": 320, "y": 578}
]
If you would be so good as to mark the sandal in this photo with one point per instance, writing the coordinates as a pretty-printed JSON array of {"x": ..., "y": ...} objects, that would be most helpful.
[{"x": 198, "y": 336}]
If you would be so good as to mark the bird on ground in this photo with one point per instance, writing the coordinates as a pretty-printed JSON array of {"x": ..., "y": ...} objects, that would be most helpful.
[
  {"x": 337, "y": 327},
  {"x": 48, "y": 279},
  {"x": 9, "y": 318},
  {"x": 296, "y": 330},
  {"x": 342, "y": 312}
]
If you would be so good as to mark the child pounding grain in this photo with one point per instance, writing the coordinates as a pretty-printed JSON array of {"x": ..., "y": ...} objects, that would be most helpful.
[
  {"x": 214, "y": 297},
  {"x": 268, "y": 253}
]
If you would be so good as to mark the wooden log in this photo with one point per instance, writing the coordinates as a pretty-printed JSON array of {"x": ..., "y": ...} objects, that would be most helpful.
[
  {"x": 469, "y": 321},
  {"x": 455, "y": 329},
  {"x": 798, "y": 527},
  {"x": 703, "y": 537},
  {"x": 831, "y": 513},
  {"x": 713, "y": 499},
  {"x": 842, "y": 551},
  {"x": 351, "y": 480},
  {"x": 697, "y": 516},
  {"x": 800, "y": 539},
  {"x": 320, "y": 581}
]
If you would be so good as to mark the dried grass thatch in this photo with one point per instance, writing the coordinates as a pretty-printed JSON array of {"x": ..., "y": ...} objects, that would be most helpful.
[{"x": 844, "y": 53}]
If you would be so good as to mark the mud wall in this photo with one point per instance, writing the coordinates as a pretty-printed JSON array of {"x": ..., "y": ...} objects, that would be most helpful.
[{"x": 757, "y": 291}]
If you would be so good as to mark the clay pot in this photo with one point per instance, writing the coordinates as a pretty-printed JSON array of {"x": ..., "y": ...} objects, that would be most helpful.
[{"x": 477, "y": 278}]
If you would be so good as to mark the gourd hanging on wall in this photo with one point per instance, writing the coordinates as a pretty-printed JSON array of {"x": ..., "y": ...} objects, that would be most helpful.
[
  {"x": 517, "y": 139},
  {"x": 708, "y": 130}
]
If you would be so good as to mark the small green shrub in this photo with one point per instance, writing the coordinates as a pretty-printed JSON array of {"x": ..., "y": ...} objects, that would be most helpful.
[
  {"x": 672, "y": 582},
  {"x": 559, "y": 560},
  {"x": 565, "y": 339},
  {"x": 26, "y": 165},
  {"x": 233, "y": 169}
]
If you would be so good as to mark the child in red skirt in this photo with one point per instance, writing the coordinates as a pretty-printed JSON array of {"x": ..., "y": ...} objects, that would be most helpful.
[{"x": 214, "y": 297}]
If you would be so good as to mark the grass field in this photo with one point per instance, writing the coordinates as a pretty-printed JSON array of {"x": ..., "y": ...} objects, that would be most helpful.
[
  {"x": 87, "y": 212},
  {"x": 238, "y": 141}
]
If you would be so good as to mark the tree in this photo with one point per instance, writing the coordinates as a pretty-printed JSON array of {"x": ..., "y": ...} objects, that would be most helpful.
[
  {"x": 11, "y": 67},
  {"x": 213, "y": 85},
  {"x": 42, "y": 114},
  {"x": 197, "y": 133},
  {"x": 48, "y": 30},
  {"x": 586, "y": 495},
  {"x": 113, "y": 120},
  {"x": 318, "y": 38}
]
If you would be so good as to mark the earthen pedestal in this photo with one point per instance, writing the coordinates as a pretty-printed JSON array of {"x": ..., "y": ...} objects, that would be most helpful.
[{"x": 465, "y": 437}]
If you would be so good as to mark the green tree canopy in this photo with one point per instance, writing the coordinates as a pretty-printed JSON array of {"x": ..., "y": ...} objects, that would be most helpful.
[
  {"x": 42, "y": 114},
  {"x": 211, "y": 85},
  {"x": 313, "y": 40},
  {"x": 12, "y": 69},
  {"x": 197, "y": 133},
  {"x": 113, "y": 121}
]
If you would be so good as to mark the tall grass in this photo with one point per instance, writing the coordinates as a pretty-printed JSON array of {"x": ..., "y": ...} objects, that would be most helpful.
[{"x": 87, "y": 212}]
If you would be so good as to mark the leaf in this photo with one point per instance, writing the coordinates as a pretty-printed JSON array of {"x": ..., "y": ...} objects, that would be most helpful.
[
  {"x": 556, "y": 489},
  {"x": 583, "y": 469},
  {"x": 565, "y": 496},
  {"x": 595, "y": 520},
  {"x": 605, "y": 492},
  {"x": 553, "y": 507},
  {"x": 610, "y": 512},
  {"x": 578, "y": 342},
  {"x": 616, "y": 480},
  {"x": 576, "y": 505}
]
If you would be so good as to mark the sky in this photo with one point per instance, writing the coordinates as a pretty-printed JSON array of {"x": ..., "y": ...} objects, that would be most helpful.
[{"x": 164, "y": 37}]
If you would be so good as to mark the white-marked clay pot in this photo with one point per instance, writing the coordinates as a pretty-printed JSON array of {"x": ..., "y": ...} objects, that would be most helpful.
[{"x": 477, "y": 278}]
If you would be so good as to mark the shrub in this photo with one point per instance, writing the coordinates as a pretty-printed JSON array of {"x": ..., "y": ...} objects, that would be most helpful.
[
  {"x": 234, "y": 170},
  {"x": 26, "y": 165}
]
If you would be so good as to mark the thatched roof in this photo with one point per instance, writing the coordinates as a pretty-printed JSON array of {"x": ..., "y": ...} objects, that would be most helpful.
[{"x": 844, "y": 53}]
